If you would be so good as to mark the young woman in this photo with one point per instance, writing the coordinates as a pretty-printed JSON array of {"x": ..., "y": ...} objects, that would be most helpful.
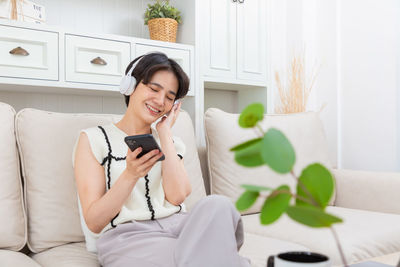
[{"x": 132, "y": 210}]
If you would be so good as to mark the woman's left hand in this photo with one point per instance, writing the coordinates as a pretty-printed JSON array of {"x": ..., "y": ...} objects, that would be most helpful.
[{"x": 168, "y": 121}]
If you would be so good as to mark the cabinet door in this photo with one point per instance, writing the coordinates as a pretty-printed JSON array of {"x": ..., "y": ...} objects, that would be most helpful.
[
  {"x": 251, "y": 40},
  {"x": 94, "y": 60},
  {"x": 219, "y": 38},
  {"x": 27, "y": 53}
]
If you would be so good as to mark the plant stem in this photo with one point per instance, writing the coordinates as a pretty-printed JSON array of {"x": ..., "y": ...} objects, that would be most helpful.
[
  {"x": 314, "y": 202},
  {"x": 310, "y": 201},
  {"x": 302, "y": 199},
  {"x": 339, "y": 246},
  {"x": 260, "y": 128},
  {"x": 277, "y": 192},
  {"x": 257, "y": 133}
]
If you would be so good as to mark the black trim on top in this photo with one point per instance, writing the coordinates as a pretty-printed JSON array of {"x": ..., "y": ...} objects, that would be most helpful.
[
  {"x": 108, "y": 160},
  {"x": 148, "y": 197}
]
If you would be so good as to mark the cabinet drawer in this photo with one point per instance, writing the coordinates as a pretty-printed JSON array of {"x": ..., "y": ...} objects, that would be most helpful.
[
  {"x": 27, "y": 53},
  {"x": 93, "y": 60},
  {"x": 181, "y": 56}
]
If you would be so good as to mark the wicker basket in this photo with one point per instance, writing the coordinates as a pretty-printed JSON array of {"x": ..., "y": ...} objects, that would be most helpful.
[{"x": 163, "y": 29}]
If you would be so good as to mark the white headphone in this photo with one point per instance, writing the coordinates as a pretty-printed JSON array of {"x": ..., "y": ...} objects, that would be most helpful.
[{"x": 128, "y": 82}]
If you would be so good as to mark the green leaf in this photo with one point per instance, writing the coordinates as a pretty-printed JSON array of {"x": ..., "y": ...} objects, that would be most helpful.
[
  {"x": 251, "y": 115},
  {"x": 246, "y": 200},
  {"x": 275, "y": 205},
  {"x": 245, "y": 144},
  {"x": 255, "y": 188},
  {"x": 318, "y": 181},
  {"x": 161, "y": 10},
  {"x": 250, "y": 156},
  {"x": 312, "y": 216},
  {"x": 277, "y": 152}
]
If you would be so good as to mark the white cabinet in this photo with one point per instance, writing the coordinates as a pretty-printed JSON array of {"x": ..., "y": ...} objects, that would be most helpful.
[
  {"x": 235, "y": 40},
  {"x": 251, "y": 40},
  {"x": 220, "y": 38},
  {"x": 44, "y": 58},
  {"x": 28, "y": 53},
  {"x": 94, "y": 60}
]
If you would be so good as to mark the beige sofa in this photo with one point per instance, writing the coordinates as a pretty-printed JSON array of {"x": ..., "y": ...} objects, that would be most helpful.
[{"x": 38, "y": 202}]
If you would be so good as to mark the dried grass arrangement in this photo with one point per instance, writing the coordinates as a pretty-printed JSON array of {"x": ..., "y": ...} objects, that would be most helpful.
[{"x": 293, "y": 95}]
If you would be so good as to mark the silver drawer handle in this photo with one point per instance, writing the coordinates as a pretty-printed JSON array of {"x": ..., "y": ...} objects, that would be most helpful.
[
  {"x": 98, "y": 61},
  {"x": 19, "y": 51}
]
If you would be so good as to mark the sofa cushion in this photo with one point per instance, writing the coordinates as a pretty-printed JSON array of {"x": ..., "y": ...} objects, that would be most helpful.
[
  {"x": 184, "y": 129},
  {"x": 73, "y": 254},
  {"x": 10, "y": 258},
  {"x": 46, "y": 141},
  {"x": 363, "y": 235},
  {"x": 258, "y": 248},
  {"x": 13, "y": 227},
  {"x": 304, "y": 130}
]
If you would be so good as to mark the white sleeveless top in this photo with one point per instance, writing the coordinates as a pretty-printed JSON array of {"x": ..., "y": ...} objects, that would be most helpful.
[{"x": 147, "y": 199}]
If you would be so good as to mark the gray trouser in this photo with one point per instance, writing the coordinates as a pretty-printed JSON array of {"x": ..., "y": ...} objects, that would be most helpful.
[{"x": 210, "y": 235}]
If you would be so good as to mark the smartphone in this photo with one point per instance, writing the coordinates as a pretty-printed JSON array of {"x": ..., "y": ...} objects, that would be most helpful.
[{"x": 145, "y": 141}]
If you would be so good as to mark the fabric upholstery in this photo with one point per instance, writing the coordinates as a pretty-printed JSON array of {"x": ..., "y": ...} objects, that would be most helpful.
[
  {"x": 304, "y": 130},
  {"x": 363, "y": 234},
  {"x": 13, "y": 227},
  {"x": 73, "y": 254},
  {"x": 46, "y": 142},
  {"x": 184, "y": 129},
  {"x": 376, "y": 191},
  {"x": 10, "y": 258},
  {"x": 202, "y": 151}
]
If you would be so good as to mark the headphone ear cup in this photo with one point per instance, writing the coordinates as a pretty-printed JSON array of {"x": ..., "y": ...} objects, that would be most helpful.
[{"x": 127, "y": 85}]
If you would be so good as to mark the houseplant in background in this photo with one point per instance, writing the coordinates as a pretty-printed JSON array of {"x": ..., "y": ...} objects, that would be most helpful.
[
  {"x": 314, "y": 187},
  {"x": 162, "y": 20}
]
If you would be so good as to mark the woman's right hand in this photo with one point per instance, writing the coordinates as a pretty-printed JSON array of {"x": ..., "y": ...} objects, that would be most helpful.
[{"x": 140, "y": 167}]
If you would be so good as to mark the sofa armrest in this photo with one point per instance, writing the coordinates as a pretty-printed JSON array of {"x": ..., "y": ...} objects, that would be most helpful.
[{"x": 366, "y": 190}]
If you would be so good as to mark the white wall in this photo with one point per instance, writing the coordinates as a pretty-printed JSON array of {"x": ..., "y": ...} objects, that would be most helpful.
[
  {"x": 326, "y": 86},
  {"x": 357, "y": 43},
  {"x": 369, "y": 84},
  {"x": 307, "y": 26},
  {"x": 122, "y": 17},
  {"x": 64, "y": 103},
  {"x": 223, "y": 99}
]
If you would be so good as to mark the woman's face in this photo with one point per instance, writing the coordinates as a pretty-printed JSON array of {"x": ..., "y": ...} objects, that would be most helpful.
[{"x": 153, "y": 100}]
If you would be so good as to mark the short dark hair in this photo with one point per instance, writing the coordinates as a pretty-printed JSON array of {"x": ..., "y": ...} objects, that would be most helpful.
[{"x": 150, "y": 63}]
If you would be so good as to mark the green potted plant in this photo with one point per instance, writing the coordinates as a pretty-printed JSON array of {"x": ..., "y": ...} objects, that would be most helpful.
[
  {"x": 315, "y": 185},
  {"x": 162, "y": 20}
]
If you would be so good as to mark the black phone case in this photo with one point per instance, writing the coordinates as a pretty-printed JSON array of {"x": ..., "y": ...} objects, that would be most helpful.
[{"x": 146, "y": 141}]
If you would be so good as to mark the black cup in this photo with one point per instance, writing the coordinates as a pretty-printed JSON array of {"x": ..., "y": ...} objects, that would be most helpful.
[{"x": 298, "y": 256}]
